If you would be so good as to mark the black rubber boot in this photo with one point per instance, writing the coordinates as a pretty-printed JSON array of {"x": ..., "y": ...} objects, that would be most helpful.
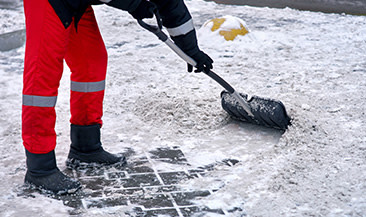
[
  {"x": 43, "y": 174},
  {"x": 86, "y": 149}
]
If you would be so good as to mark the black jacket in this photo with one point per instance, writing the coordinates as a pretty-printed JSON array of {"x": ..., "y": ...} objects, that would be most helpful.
[{"x": 173, "y": 12}]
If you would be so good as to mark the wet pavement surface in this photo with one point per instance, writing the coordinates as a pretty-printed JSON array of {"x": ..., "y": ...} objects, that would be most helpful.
[{"x": 142, "y": 188}]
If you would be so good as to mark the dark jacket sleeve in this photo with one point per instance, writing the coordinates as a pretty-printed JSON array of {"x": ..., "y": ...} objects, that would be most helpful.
[
  {"x": 173, "y": 12},
  {"x": 178, "y": 21},
  {"x": 126, "y": 5},
  {"x": 66, "y": 10}
]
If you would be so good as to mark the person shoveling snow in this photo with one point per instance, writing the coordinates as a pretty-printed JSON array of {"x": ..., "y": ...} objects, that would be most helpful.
[{"x": 58, "y": 30}]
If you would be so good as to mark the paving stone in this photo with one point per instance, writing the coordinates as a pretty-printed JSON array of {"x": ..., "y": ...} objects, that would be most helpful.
[
  {"x": 200, "y": 211},
  {"x": 136, "y": 212},
  {"x": 130, "y": 192},
  {"x": 225, "y": 162},
  {"x": 196, "y": 171},
  {"x": 98, "y": 183},
  {"x": 139, "y": 167},
  {"x": 186, "y": 198},
  {"x": 162, "y": 212},
  {"x": 89, "y": 172},
  {"x": 156, "y": 212},
  {"x": 116, "y": 175},
  {"x": 140, "y": 181},
  {"x": 230, "y": 162},
  {"x": 93, "y": 193},
  {"x": 174, "y": 177},
  {"x": 152, "y": 201},
  {"x": 169, "y": 155},
  {"x": 74, "y": 202},
  {"x": 105, "y": 202},
  {"x": 128, "y": 153},
  {"x": 162, "y": 189}
]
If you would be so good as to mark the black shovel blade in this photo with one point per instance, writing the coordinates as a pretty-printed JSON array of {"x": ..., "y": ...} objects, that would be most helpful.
[{"x": 267, "y": 112}]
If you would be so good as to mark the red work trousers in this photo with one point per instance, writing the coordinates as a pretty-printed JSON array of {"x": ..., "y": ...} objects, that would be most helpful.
[{"x": 48, "y": 44}]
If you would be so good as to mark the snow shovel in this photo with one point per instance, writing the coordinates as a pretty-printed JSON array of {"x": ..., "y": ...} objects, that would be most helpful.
[{"x": 256, "y": 110}]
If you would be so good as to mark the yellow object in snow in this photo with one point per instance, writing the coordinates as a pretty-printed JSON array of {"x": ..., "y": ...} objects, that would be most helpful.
[{"x": 228, "y": 33}]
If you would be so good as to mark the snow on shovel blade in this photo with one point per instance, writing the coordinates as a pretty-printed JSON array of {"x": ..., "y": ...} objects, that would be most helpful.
[{"x": 267, "y": 112}]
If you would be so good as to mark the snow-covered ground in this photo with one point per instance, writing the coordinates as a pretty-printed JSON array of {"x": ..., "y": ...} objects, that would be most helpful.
[{"x": 314, "y": 63}]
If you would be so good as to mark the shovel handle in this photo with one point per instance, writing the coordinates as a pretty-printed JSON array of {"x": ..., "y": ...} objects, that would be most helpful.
[{"x": 157, "y": 30}]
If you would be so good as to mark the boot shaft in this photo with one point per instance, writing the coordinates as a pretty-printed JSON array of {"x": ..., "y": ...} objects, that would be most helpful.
[
  {"x": 41, "y": 164},
  {"x": 85, "y": 139}
]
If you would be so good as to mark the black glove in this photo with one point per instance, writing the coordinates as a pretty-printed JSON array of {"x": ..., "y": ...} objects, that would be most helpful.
[
  {"x": 188, "y": 43},
  {"x": 204, "y": 62},
  {"x": 144, "y": 10}
]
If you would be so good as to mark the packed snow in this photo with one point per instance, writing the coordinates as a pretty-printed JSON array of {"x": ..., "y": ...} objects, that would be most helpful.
[{"x": 315, "y": 63}]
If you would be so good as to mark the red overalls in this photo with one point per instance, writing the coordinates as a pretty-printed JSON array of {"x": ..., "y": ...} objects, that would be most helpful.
[{"x": 48, "y": 44}]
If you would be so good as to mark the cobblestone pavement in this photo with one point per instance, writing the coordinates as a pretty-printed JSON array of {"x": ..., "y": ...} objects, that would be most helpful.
[{"x": 142, "y": 187}]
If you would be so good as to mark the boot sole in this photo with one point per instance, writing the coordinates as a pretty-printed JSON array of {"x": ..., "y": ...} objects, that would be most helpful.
[
  {"x": 44, "y": 191},
  {"x": 77, "y": 164}
]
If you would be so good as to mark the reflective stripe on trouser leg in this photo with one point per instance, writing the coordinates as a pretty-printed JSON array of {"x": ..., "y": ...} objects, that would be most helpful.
[
  {"x": 87, "y": 102},
  {"x": 87, "y": 87},
  {"x": 87, "y": 58},
  {"x": 39, "y": 101},
  {"x": 46, "y": 46},
  {"x": 38, "y": 121}
]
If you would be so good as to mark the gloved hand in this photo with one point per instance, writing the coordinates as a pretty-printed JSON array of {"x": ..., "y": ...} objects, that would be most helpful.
[
  {"x": 144, "y": 10},
  {"x": 204, "y": 62},
  {"x": 188, "y": 43}
]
